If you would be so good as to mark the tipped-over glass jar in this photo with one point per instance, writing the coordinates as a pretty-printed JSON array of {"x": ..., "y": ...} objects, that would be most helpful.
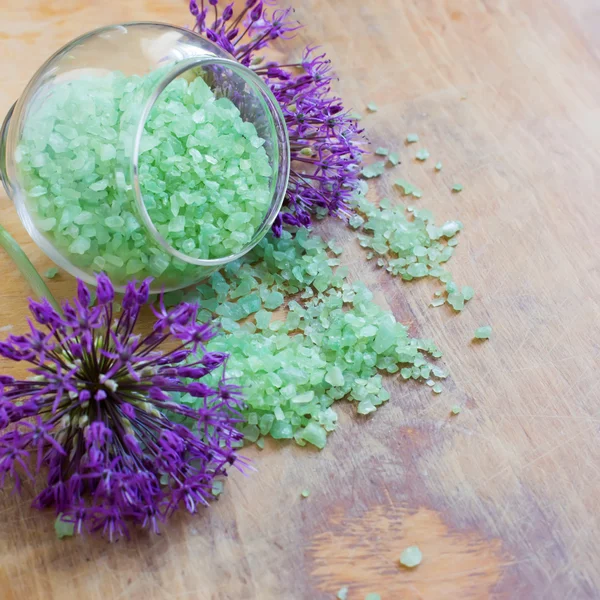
[{"x": 144, "y": 150}]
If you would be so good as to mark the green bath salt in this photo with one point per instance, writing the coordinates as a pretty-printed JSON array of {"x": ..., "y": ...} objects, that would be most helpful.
[
  {"x": 330, "y": 342},
  {"x": 203, "y": 171}
]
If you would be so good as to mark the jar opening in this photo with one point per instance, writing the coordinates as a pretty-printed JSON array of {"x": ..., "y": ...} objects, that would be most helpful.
[{"x": 210, "y": 160}]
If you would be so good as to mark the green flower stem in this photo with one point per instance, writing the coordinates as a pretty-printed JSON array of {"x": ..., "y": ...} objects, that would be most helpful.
[{"x": 24, "y": 265}]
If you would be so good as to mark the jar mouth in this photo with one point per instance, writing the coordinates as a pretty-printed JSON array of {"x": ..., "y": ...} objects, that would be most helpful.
[{"x": 281, "y": 155}]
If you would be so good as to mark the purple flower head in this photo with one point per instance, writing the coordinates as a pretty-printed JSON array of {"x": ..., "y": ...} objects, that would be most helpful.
[
  {"x": 256, "y": 12},
  {"x": 325, "y": 142},
  {"x": 83, "y": 294},
  {"x": 105, "y": 290},
  {"x": 102, "y": 417},
  {"x": 227, "y": 13},
  {"x": 43, "y": 312},
  {"x": 212, "y": 360}
]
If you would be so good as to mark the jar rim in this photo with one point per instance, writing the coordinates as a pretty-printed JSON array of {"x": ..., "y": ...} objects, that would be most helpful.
[{"x": 280, "y": 175}]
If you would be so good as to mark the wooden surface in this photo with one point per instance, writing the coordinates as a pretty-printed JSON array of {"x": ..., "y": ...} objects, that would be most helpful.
[{"x": 502, "y": 499}]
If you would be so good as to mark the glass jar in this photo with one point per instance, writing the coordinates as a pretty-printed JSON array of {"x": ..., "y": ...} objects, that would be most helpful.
[{"x": 145, "y": 150}]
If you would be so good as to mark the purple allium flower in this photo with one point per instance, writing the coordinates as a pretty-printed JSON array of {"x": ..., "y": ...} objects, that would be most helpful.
[
  {"x": 325, "y": 141},
  {"x": 100, "y": 413}
]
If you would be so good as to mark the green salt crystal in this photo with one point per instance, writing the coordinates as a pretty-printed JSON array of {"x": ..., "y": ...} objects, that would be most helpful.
[
  {"x": 99, "y": 262},
  {"x": 314, "y": 434},
  {"x": 328, "y": 418},
  {"x": 99, "y": 186},
  {"x": 456, "y": 410},
  {"x": 263, "y": 318},
  {"x": 437, "y": 388},
  {"x": 368, "y": 331},
  {"x": 46, "y": 224},
  {"x": 373, "y": 170},
  {"x": 217, "y": 488},
  {"x": 334, "y": 247},
  {"x": 229, "y": 325},
  {"x": 457, "y": 187},
  {"x": 468, "y": 292},
  {"x": 411, "y": 138},
  {"x": 450, "y": 228},
  {"x": 335, "y": 376},
  {"x": 80, "y": 246},
  {"x": 251, "y": 304},
  {"x": 382, "y": 151},
  {"x": 62, "y": 528},
  {"x": 265, "y": 423},
  {"x": 483, "y": 333},
  {"x": 417, "y": 270},
  {"x": 394, "y": 158},
  {"x": 282, "y": 430},
  {"x": 355, "y": 221},
  {"x": 342, "y": 594},
  {"x": 422, "y": 155},
  {"x": 51, "y": 273},
  {"x": 384, "y": 340},
  {"x": 114, "y": 260},
  {"x": 107, "y": 152},
  {"x": 372, "y": 107},
  {"x": 304, "y": 398},
  {"x": 411, "y": 557},
  {"x": 37, "y": 191},
  {"x": 456, "y": 301},
  {"x": 365, "y": 407},
  {"x": 114, "y": 222},
  {"x": 438, "y": 166},
  {"x": 305, "y": 493},
  {"x": 439, "y": 372},
  {"x": 176, "y": 224},
  {"x": 251, "y": 432},
  {"x": 372, "y": 596},
  {"x": 274, "y": 300},
  {"x": 406, "y": 187}
]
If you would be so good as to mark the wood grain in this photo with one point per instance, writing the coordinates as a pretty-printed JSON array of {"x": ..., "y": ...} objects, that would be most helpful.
[{"x": 503, "y": 498}]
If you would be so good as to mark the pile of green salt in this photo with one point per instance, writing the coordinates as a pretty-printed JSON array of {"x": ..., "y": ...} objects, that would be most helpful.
[
  {"x": 204, "y": 174},
  {"x": 408, "y": 243},
  {"x": 333, "y": 343}
]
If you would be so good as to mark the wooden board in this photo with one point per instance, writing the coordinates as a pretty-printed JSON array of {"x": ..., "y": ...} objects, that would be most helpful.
[{"x": 502, "y": 499}]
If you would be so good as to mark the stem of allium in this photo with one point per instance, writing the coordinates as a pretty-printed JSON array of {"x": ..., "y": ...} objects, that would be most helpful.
[{"x": 24, "y": 265}]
